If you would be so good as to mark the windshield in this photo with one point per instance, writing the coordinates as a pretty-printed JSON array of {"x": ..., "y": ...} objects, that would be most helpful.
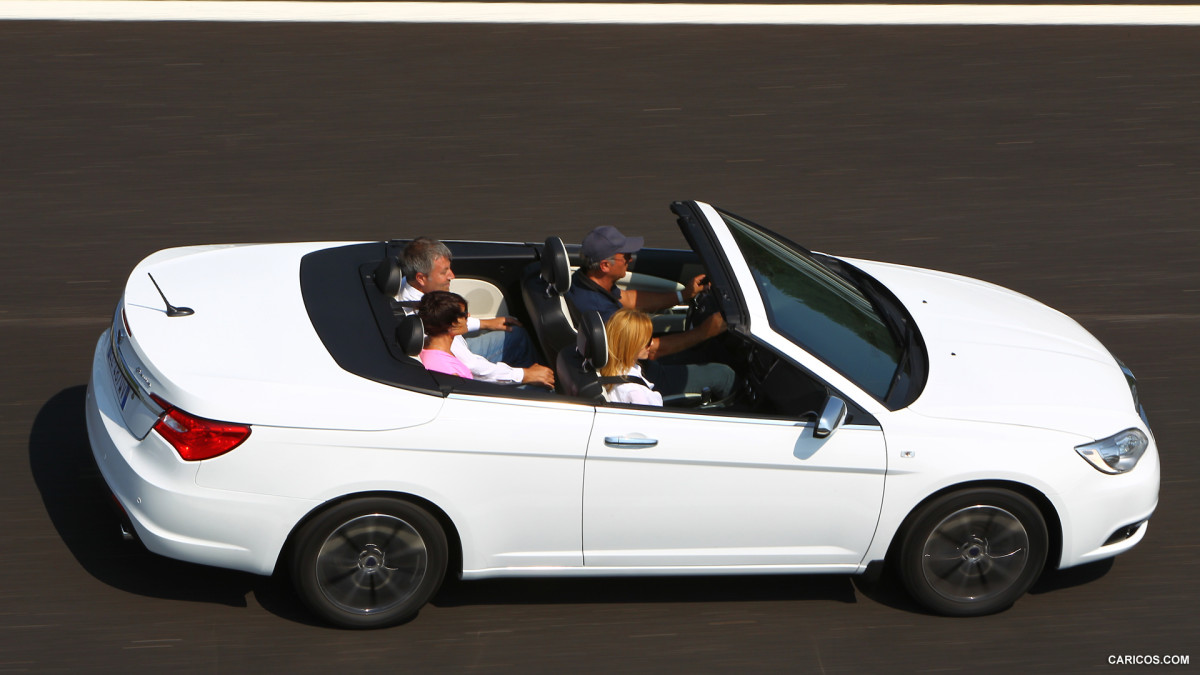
[{"x": 819, "y": 310}]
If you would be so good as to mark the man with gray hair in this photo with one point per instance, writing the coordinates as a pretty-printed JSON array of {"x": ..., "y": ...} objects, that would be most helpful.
[{"x": 426, "y": 265}]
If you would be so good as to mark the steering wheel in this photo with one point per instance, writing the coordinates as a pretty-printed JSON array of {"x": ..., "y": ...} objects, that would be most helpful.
[{"x": 700, "y": 307}]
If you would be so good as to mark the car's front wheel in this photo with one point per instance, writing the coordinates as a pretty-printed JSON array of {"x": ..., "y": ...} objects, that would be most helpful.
[
  {"x": 973, "y": 552},
  {"x": 368, "y": 563}
]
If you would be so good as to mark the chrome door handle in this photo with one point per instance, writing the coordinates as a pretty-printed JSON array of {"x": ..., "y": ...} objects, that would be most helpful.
[{"x": 630, "y": 441}]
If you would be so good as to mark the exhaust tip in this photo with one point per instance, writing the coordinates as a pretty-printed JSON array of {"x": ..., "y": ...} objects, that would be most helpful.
[{"x": 123, "y": 521}]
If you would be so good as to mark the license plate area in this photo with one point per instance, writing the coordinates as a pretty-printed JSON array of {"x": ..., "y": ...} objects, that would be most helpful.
[{"x": 121, "y": 388}]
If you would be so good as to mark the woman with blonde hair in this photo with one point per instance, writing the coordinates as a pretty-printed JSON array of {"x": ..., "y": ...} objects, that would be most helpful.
[{"x": 629, "y": 332}]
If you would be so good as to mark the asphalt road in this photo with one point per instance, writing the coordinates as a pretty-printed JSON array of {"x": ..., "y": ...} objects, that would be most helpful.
[{"x": 1064, "y": 163}]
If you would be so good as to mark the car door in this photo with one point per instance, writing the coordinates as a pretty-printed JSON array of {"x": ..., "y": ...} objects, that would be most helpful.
[
  {"x": 507, "y": 466},
  {"x": 670, "y": 488}
]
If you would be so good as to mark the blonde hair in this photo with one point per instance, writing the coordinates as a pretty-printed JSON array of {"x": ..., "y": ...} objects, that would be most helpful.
[{"x": 628, "y": 331}]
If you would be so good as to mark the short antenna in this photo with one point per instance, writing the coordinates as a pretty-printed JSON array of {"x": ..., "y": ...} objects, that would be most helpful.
[{"x": 172, "y": 310}]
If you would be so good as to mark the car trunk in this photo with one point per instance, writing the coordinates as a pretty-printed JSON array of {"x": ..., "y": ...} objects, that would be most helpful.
[{"x": 248, "y": 352}]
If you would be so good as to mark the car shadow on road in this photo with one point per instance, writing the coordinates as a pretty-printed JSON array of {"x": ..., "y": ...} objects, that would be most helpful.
[
  {"x": 1054, "y": 580},
  {"x": 456, "y": 593},
  {"x": 877, "y": 585},
  {"x": 82, "y": 512}
]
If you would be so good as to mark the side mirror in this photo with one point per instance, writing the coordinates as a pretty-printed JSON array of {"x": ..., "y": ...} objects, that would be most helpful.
[{"x": 832, "y": 417}]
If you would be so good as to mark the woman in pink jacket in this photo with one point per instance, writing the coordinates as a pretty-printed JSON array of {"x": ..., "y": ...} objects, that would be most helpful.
[{"x": 444, "y": 315}]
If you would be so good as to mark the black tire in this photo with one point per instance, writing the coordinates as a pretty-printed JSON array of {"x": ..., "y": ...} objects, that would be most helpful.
[
  {"x": 369, "y": 563},
  {"x": 973, "y": 552}
]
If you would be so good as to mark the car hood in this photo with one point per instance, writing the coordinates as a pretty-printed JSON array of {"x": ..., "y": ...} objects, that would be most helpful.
[
  {"x": 998, "y": 356},
  {"x": 249, "y": 353}
]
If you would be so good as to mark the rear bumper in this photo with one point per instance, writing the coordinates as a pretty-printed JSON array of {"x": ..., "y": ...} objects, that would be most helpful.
[{"x": 168, "y": 511}]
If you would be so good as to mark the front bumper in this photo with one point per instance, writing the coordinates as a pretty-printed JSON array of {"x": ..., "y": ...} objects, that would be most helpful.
[{"x": 1097, "y": 524}]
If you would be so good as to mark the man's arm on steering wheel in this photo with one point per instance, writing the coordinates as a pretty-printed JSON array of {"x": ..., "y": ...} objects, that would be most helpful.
[
  {"x": 672, "y": 343},
  {"x": 654, "y": 301}
]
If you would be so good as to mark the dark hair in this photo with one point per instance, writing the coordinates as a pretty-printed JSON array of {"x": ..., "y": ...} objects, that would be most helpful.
[{"x": 439, "y": 310}]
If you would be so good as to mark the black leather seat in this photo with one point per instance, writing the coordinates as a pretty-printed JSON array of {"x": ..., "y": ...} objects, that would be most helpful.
[
  {"x": 577, "y": 370},
  {"x": 543, "y": 288}
]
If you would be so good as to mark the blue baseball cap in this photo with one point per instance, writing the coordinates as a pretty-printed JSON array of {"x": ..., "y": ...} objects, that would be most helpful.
[{"x": 606, "y": 241}]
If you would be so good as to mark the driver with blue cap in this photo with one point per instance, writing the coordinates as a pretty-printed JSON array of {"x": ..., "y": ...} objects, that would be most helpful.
[{"x": 607, "y": 257}]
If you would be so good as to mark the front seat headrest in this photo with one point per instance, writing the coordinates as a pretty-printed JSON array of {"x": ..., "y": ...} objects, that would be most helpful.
[
  {"x": 556, "y": 266},
  {"x": 592, "y": 341},
  {"x": 410, "y": 335},
  {"x": 388, "y": 276}
]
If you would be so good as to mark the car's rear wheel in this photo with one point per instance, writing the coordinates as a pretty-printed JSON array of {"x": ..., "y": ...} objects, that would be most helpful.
[
  {"x": 368, "y": 563},
  {"x": 973, "y": 552}
]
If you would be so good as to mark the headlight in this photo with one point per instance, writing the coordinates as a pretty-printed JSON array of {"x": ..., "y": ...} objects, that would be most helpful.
[{"x": 1116, "y": 454}]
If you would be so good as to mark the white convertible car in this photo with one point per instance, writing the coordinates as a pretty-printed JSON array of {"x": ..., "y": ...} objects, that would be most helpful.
[{"x": 961, "y": 432}]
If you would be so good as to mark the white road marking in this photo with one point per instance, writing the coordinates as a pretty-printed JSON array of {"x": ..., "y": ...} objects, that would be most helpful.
[{"x": 600, "y": 13}]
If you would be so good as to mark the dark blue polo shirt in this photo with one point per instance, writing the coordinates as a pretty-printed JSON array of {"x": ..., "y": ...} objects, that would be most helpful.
[{"x": 586, "y": 295}]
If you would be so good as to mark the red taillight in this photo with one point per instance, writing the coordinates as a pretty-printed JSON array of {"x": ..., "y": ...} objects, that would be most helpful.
[
  {"x": 119, "y": 506},
  {"x": 196, "y": 438}
]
